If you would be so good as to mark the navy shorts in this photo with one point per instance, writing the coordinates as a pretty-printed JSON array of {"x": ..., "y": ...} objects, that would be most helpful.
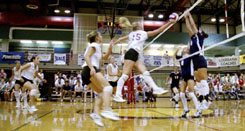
[
  {"x": 131, "y": 54},
  {"x": 199, "y": 62},
  {"x": 187, "y": 77},
  {"x": 172, "y": 86}
]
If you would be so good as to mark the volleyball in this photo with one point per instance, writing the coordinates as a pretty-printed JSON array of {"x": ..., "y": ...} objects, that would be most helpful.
[{"x": 174, "y": 16}]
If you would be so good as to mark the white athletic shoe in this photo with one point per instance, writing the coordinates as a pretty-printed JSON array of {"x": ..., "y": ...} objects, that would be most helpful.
[
  {"x": 118, "y": 98},
  {"x": 26, "y": 106},
  {"x": 159, "y": 91},
  {"x": 110, "y": 115},
  {"x": 32, "y": 109},
  {"x": 97, "y": 119},
  {"x": 176, "y": 105},
  {"x": 61, "y": 100},
  {"x": 18, "y": 105},
  {"x": 198, "y": 114}
]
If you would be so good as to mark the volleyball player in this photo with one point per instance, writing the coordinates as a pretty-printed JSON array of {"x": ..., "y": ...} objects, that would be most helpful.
[
  {"x": 175, "y": 77},
  {"x": 15, "y": 78},
  {"x": 113, "y": 72},
  {"x": 136, "y": 40},
  {"x": 28, "y": 72},
  {"x": 200, "y": 63},
  {"x": 92, "y": 77},
  {"x": 188, "y": 81}
]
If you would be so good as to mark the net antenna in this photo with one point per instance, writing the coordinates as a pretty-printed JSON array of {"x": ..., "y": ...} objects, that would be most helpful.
[
  {"x": 242, "y": 15},
  {"x": 226, "y": 20}
]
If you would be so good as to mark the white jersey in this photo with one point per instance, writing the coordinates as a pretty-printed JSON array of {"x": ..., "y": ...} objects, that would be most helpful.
[
  {"x": 95, "y": 58},
  {"x": 16, "y": 74},
  {"x": 114, "y": 71},
  {"x": 30, "y": 72},
  {"x": 79, "y": 88},
  {"x": 137, "y": 40},
  {"x": 59, "y": 84}
]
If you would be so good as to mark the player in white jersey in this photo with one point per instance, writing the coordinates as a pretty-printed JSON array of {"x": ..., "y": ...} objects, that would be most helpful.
[
  {"x": 15, "y": 78},
  {"x": 28, "y": 72},
  {"x": 113, "y": 73},
  {"x": 95, "y": 80},
  {"x": 136, "y": 40}
]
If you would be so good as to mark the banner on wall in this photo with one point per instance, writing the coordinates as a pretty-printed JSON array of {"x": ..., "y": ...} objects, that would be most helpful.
[
  {"x": 80, "y": 59},
  {"x": 228, "y": 61},
  {"x": 212, "y": 62},
  {"x": 157, "y": 61},
  {"x": 42, "y": 57},
  {"x": 59, "y": 59},
  {"x": 242, "y": 59},
  {"x": 11, "y": 57}
]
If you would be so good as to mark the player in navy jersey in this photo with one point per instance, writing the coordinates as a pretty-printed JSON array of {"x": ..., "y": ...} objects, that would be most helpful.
[
  {"x": 175, "y": 77},
  {"x": 200, "y": 64},
  {"x": 188, "y": 80}
]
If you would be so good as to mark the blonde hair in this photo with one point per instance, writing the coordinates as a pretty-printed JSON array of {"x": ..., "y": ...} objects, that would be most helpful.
[
  {"x": 91, "y": 36},
  {"x": 126, "y": 23}
]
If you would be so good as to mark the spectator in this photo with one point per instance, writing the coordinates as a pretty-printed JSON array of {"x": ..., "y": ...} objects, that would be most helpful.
[
  {"x": 3, "y": 74},
  {"x": 66, "y": 90},
  {"x": 241, "y": 82},
  {"x": 78, "y": 90},
  {"x": 86, "y": 89},
  {"x": 59, "y": 83},
  {"x": 2, "y": 88},
  {"x": 40, "y": 73},
  {"x": 211, "y": 91}
]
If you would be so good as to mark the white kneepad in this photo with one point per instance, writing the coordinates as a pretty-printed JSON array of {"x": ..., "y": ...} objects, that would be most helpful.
[
  {"x": 108, "y": 89},
  {"x": 124, "y": 77},
  {"x": 35, "y": 92},
  {"x": 146, "y": 73},
  {"x": 175, "y": 90}
]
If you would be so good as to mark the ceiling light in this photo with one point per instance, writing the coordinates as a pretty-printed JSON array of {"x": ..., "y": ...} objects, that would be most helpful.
[
  {"x": 222, "y": 20},
  {"x": 213, "y": 19},
  {"x": 32, "y": 6},
  {"x": 151, "y": 15},
  {"x": 67, "y": 11},
  {"x": 42, "y": 42},
  {"x": 160, "y": 16},
  {"x": 240, "y": 50},
  {"x": 57, "y": 11},
  {"x": 26, "y": 41},
  {"x": 57, "y": 42}
]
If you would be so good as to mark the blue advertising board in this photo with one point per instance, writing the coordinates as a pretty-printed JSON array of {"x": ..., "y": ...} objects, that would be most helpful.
[{"x": 11, "y": 57}]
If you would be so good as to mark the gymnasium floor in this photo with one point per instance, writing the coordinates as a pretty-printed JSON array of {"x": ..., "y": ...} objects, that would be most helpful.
[{"x": 156, "y": 116}]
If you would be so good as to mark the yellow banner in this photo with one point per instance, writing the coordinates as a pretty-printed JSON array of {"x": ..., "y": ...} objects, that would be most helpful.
[{"x": 242, "y": 59}]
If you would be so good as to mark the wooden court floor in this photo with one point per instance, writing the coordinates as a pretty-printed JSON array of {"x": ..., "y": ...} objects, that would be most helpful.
[{"x": 156, "y": 116}]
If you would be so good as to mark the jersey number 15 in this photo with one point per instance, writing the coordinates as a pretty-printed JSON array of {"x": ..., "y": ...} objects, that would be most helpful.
[{"x": 136, "y": 37}]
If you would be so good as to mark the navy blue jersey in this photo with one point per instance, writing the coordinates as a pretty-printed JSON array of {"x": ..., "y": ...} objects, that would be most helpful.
[
  {"x": 175, "y": 78},
  {"x": 196, "y": 44},
  {"x": 187, "y": 67}
]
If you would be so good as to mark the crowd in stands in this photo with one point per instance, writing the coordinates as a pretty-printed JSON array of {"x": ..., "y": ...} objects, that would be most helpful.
[{"x": 226, "y": 86}]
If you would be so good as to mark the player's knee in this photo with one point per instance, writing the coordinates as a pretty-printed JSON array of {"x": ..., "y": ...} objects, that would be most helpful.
[
  {"x": 34, "y": 92},
  {"x": 108, "y": 89},
  {"x": 124, "y": 77}
]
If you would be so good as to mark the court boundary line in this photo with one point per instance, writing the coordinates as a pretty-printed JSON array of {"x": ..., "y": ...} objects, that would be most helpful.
[
  {"x": 25, "y": 124},
  {"x": 188, "y": 120}
]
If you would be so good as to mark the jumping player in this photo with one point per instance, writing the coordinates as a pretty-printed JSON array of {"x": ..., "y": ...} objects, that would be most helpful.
[
  {"x": 136, "y": 40},
  {"x": 200, "y": 63}
]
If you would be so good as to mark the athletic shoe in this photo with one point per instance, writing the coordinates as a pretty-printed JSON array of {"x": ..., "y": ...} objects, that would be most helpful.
[
  {"x": 118, "y": 98},
  {"x": 18, "y": 105},
  {"x": 159, "y": 91},
  {"x": 176, "y": 105},
  {"x": 184, "y": 114},
  {"x": 110, "y": 115},
  {"x": 198, "y": 114},
  {"x": 32, "y": 109},
  {"x": 26, "y": 106},
  {"x": 97, "y": 119},
  {"x": 61, "y": 100}
]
